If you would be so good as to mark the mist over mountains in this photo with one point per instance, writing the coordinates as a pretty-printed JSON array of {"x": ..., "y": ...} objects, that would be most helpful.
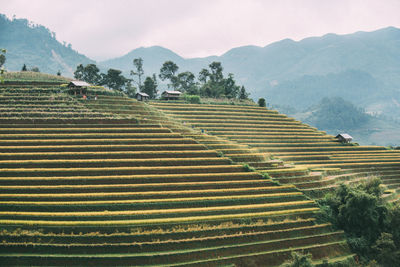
[{"x": 362, "y": 68}]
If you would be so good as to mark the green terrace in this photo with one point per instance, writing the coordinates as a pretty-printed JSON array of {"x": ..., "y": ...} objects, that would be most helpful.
[
  {"x": 43, "y": 104},
  {"x": 131, "y": 184},
  {"x": 295, "y": 143}
]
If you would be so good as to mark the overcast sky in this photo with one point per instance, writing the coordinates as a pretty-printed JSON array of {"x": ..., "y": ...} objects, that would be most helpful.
[{"x": 103, "y": 29}]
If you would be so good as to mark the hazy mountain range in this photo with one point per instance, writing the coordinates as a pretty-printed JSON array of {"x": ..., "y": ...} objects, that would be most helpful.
[{"x": 363, "y": 67}]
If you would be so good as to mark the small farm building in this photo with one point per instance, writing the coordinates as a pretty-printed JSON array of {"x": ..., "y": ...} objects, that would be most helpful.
[
  {"x": 142, "y": 96},
  {"x": 78, "y": 87},
  {"x": 171, "y": 95},
  {"x": 344, "y": 138}
]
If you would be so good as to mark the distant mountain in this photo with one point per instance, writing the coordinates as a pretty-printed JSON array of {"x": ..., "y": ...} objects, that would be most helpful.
[
  {"x": 153, "y": 58},
  {"x": 363, "y": 67},
  {"x": 358, "y": 86},
  {"x": 36, "y": 46}
]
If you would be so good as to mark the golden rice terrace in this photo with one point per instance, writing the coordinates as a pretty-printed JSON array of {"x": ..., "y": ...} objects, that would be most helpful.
[{"x": 114, "y": 181}]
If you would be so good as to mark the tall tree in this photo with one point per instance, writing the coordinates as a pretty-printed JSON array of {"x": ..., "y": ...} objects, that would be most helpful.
[
  {"x": 2, "y": 57},
  {"x": 113, "y": 79},
  {"x": 130, "y": 89},
  {"x": 203, "y": 76},
  {"x": 168, "y": 72},
  {"x": 91, "y": 74},
  {"x": 78, "y": 74},
  {"x": 138, "y": 72},
  {"x": 261, "y": 102},
  {"x": 150, "y": 86},
  {"x": 2, "y": 61},
  {"x": 24, "y": 68},
  {"x": 213, "y": 80},
  {"x": 231, "y": 89},
  {"x": 243, "y": 94},
  {"x": 216, "y": 75},
  {"x": 186, "y": 83}
]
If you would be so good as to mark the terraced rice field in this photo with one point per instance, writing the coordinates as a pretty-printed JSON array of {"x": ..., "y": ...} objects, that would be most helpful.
[
  {"x": 117, "y": 192},
  {"x": 108, "y": 203},
  {"x": 293, "y": 142},
  {"x": 42, "y": 104}
]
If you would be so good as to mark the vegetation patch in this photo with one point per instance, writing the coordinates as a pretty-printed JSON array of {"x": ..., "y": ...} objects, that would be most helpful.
[{"x": 370, "y": 224}]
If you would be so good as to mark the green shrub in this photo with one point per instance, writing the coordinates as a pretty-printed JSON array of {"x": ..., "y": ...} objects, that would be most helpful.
[
  {"x": 370, "y": 224},
  {"x": 248, "y": 168},
  {"x": 299, "y": 260},
  {"x": 265, "y": 175},
  {"x": 192, "y": 99},
  {"x": 385, "y": 251},
  {"x": 349, "y": 262},
  {"x": 261, "y": 102}
]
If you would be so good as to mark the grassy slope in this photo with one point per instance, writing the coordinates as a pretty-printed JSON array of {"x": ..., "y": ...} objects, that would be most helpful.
[{"x": 29, "y": 76}]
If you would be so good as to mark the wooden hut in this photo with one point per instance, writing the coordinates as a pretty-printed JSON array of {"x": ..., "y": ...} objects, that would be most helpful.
[
  {"x": 171, "y": 95},
  {"x": 78, "y": 87},
  {"x": 142, "y": 96},
  {"x": 344, "y": 138}
]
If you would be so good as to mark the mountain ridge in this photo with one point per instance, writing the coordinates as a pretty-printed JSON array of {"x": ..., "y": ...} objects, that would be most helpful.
[{"x": 277, "y": 71}]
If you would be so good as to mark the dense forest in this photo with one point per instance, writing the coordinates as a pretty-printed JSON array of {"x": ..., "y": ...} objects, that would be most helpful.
[{"x": 371, "y": 224}]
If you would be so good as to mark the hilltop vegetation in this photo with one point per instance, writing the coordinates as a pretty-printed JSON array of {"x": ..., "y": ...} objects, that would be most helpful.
[
  {"x": 36, "y": 46},
  {"x": 211, "y": 82}
]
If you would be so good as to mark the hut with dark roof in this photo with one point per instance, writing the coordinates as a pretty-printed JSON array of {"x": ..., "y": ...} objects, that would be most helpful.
[
  {"x": 344, "y": 138},
  {"x": 78, "y": 87},
  {"x": 171, "y": 95},
  {"x": 140, "y": 96}
]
